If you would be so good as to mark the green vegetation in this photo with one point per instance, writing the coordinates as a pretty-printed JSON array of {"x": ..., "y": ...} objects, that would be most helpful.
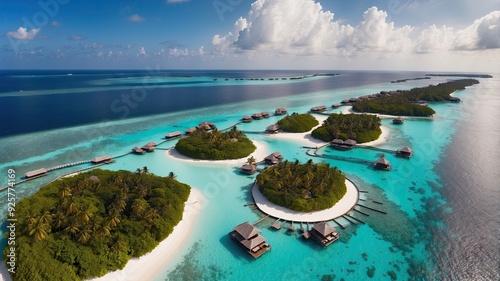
[
  {"x": 359, "y": 127},
  {"x": 404, "y": 103},
  {"x": 84, "y": 226},
  {"x": 298, "y": 123},
  {"x": 302, "y": 187},
  {"x": 470, "y": 75},
  {"x": 216, "y": 145}
]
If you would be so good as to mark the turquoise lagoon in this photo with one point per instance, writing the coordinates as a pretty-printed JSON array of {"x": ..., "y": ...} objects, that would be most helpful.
[{"x": 397, "y": 244}]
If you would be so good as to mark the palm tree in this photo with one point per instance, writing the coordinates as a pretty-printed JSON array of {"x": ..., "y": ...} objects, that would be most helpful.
[
  {"x": 39, "y": 231},
  {"x": 85, "y": 213},
  {"x": 142, "y": 191},
  {"x": 251, "y": 160},
  {"x": 84, "y": 234},
  {"x": 138, "y": 171},
  {"x": 118, "y": 245},
  {"x": 145, "y": 170},
  {"x": 64, "y": 191},
  {"x": 103, "y": 231},
  {"x": 139, "y": 206},
  {"x": 58, "y": 220},
  {"x": 172, "y": 175},
  {"x": 113, "y": 220},
  {"x": 150, "y": 217},
  {"x": 73, "y": 228},
  {"x": 71, "y": 207},
  {"x": 30, "y": 218}
]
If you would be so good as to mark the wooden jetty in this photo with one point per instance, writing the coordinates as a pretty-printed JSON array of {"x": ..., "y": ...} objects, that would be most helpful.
[
  {"x": 363, "y": 213},
  {"x": 341, "y": 225},
  {"x": 349, "y": 220},
  {"x": 260, "y": 220},
  {"x": 354, "y": 218},
  {"x": 291, "y": 228},
  {"x": 369, "y": 208},
  {"x": 276, "y": 225}
]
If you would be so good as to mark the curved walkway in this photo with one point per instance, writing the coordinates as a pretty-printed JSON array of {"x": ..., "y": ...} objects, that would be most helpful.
[{"x": 345, "y": 205}]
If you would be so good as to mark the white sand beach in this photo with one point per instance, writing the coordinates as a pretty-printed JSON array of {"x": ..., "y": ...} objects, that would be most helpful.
[
  {"x": 259, "y": 154},
  {"x": 150, "y": 265},
  {"x": 343, "y": 206},
  {"x": 384, "y": 137}
]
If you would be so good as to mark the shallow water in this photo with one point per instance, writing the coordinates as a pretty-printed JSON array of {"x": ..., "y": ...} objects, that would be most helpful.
[{"x": 442, "y": 206}]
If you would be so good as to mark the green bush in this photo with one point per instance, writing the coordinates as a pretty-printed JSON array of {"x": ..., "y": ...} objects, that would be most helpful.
[
  {"x": 359, "y": 127},
  {"x": 81, "y": 238},
  {"x": 215, "y": 145},
  {"x": 298, "y": 123},
  {"x": 302, "y": 187}
]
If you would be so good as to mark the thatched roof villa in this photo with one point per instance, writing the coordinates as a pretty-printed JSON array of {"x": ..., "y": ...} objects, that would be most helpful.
[
  {"x": 324, "y": 233},
  {"x": 36, "y": 173},
  {"x": 405, "y": 152},
  {"x": 280, "y": 111},
  {"x": 248, "y": 237},
  {"x": 247, "y": 119},
  {"x": 248, "y": 169},
  {"x": 138, "y": 150},
  {"x": 149, "y": 147},
  {"x": 173, "y": 135},
  {"x": 273, "y": 128},
  {"x": 382, "y": 164}
]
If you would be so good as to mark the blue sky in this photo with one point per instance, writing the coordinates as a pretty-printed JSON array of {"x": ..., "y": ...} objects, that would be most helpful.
[{"x": 366, "y": 34}]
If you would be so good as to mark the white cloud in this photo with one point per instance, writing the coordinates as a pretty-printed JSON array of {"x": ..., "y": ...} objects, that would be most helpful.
[
  {"x": 135, "y": 18},
  {"x": 22, "y": 33},
  {"x": 176, "y": 52},
  {"x": 484, "y": 33},
  {"x": 142, "y": 52},
  {"x": 55, "y": 23},
  {"x": 176, "y": 1},
  {"x": 302, "y": 27}
]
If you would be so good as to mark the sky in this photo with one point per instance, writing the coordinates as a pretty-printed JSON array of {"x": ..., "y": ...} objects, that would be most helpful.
[{"x": 440, "y": 35}]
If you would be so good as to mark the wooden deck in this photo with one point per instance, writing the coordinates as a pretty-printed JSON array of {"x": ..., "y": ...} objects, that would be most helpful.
[{"x": 257, "y": 251}]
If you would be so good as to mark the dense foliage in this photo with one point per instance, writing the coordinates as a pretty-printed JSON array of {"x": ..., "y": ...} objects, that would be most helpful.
[
  {"x": 84, "y": 226},
  {"x": 298, "y": 123},
  {"x": 404, "y": 103},
  {"x": 216, "y": 145},
  {"x": 302, "y": 187},
  {"x": 359, "y": 127}
]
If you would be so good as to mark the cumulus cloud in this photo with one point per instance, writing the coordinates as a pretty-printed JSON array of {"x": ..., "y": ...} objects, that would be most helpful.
[
  {"x": 176, "y": 52},
  {"x": 23, "y": 33},
  {"x": 142, "y": 52},
  {"x": 484, "y": 33},
  {"x": 135, "y": 18},
  {"x": 302, "y": 27}
]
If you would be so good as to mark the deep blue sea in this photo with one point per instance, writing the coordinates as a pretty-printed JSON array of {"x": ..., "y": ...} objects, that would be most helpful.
[{"x": 443, "y": 205}]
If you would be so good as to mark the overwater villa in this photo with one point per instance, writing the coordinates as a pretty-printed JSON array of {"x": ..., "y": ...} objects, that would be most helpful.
[
  {"x": 382, "y": 164},
  {"x": 248, "y": 237},
  {"x": 149, "y": 147},
  {"x": 257, "y": 116},
  {"x": 319, "y": 108},
  {"x": 247, "y": 119},
  {"x": 265, "y": 114},
  {"x": 352, "y": 100},
  {"x": 280, "y": 111},
  {"x": 343, "y": 145},
  {"x": 397, "y": 121},
  {"x": 324, "y": 233},
  {"x": 273, "y": 128},
  {"x": 273, "y": 158},
  {"x": 405, "y": 152},
  {"x": 345, "y": 102},
  {"x": 101, "y": 159},
  {"x": 336, "y": 105},
  {"x": 173, "y": 135},
  {"x": 138, "y": 150},
  {"x": 204, "y": 126},
  {"x": 190, "y": 131},
  {"x": 36, "y": 173},
  {"x": 248, "y": 169}
]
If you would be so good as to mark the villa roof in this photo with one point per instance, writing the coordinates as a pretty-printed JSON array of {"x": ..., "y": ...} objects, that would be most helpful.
[
  {"x": 337, "y": 141},
  {"x": 406, "y": 149},
  {"x": 190, "y": 130},
  {"x": 101, "y": 159},
  {"x": 36, "y": 172},
  {"x": 173, "y": 134},
  {"x": 276, "y": 154},
  {"x": 383, "y": 161},
  {"x": 323, "y": 228},
  {"x": 137, "y": 149},
  {"x": 350, "y": 142},
  {"x": 247, "y": 117},
  {"x": 249, "y": 167},
  {"x": 273, "y": 127},
  {"x": 247, "y": 230},
  {"x": 254, "y": 242}
]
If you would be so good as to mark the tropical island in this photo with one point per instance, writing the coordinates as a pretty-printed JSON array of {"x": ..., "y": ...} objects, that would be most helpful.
[
  {"x": 94, "y": 222},
  {"x": 359, "y": 127},
  {"x": 470, "y": 75},
  {"x": 407, "y": 102},
  {"x": 298, "y": 123},
  {"x": 302, "y": 187},
  {"x": 215, "y": 145}
]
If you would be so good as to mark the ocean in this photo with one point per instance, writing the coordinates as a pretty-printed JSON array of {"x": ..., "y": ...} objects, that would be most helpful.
[{"x": 442, "y": 207}]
